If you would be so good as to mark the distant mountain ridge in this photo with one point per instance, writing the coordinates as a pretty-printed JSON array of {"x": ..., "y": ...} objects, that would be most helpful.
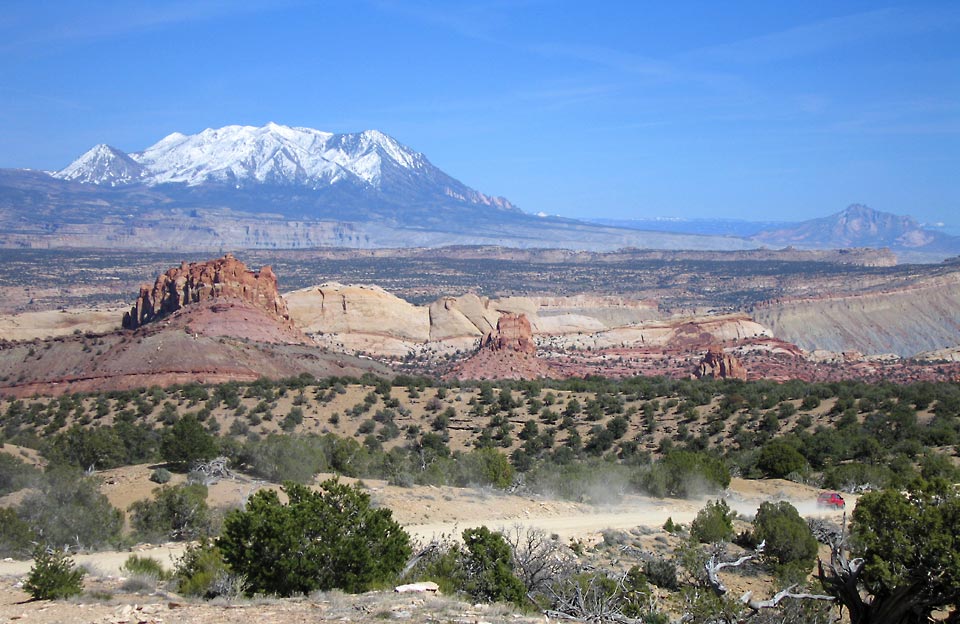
[
  {"x": 282, "y": 187},
  {"x": 862, "y": 226},
  {"x": 279, "y": 187},
  {"x": 740, "y": 228},
  {"x": 276, "y": 155}
]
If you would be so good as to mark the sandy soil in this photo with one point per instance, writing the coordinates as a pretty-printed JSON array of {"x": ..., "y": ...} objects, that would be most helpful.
[
  {"x": 49, "y": 323},
  {"x": 430, "y": 512},
  {"x": 427, "y": 512}
]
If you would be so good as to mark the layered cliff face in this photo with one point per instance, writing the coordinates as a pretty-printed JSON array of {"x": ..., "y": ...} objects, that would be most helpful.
[
  {"x": 370, "y": 319},
  {"x": 225, "y": 278},
  {"x": 720, "y": 365},
  {"x": 904, "y": 320},
  {"x": 347, "y": 309}
]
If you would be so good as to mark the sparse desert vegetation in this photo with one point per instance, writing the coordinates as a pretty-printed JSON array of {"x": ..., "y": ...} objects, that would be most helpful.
[{"x": 594, "y": 441}]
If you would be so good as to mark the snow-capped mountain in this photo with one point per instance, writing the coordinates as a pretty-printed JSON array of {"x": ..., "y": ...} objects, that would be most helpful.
[
  {"x": 103, "y": 165},
  {"x": 279, "y": 187},
  {"x": 275, "y": 155}
]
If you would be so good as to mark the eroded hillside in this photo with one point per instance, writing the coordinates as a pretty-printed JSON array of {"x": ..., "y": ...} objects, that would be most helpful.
[{"x": 917, "y": 317}]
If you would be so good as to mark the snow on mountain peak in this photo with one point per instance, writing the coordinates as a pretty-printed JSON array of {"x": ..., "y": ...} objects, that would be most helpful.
[
  {"x": 275, "y": 154},
  {"x": 103, "y": 165}
]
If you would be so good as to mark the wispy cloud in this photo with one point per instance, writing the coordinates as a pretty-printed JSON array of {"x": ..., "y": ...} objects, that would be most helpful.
[
  {"x": 607, "y": 57},
  {"x": 829, "y": 34},
  {"x": 479, "y": 20},
  {"x": 538, "y": 98},
  {"x": 30, "y": 28},
  {"x": 921, "y": 116}
]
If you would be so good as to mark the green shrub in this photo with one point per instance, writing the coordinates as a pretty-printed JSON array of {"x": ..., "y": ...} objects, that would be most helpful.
[
  {"x": 789, "y": 541},
  {"x": 175, "y": 513},
  {"x": 636, "y": 597},
  {"x": 292, "y": 420},
  {"x": 488, "y": 568},
  {"x": 187, "y": 441},
  {"x": 53, "y": 576},
  {"x": 144, "y": 566},
  {"x": 143, "y": 574},
  {"x": 70, "y": 510},
  {"x": 778, "y": 458},
  {"x": 661, "y": 572},
  {"x": 83, "y": 447},
  {"x": 848, "y": 476},
  {"x": 594, "y": 480},
  {"x": 161, "y": 476},
  {"x": 15, "y": 474},
  {"x": 285, "y": 458},
  {"x": 485, "y": 466},
  {"x": 16, "y": 536},
  {"x": 908, "y": 542},
  {"x": 318, "y": 541},
  {"x": 201, "y": 571},
  {"x": 683, "y": 474},
  {"x": 937, "y": 466},
  {"x": 442, "y": 565},
  {"x": 714, "y": 523}
]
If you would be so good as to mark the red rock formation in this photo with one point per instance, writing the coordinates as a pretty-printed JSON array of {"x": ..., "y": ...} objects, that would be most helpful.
[
  {"x": 505, "y": 353},
  {"x": 225, "y": 278},
  {"x": 718, "y": 364},
  {"x": 513, "y": 333}
]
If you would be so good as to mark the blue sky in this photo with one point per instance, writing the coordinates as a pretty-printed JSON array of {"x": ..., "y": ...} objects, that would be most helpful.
[{"x": 754, "y": 110}]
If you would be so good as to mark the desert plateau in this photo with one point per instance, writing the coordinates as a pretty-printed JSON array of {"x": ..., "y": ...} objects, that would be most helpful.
[
  {"x": 606, "y": 426},
  {"x": 479, "y": 312}
]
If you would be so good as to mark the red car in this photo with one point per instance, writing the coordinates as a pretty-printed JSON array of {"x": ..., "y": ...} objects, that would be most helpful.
[{"x": 831, "y": 500}]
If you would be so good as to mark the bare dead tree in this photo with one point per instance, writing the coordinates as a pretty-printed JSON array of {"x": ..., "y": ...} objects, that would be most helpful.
[
  {"x": 842, "y": 579},
  {"x": 780, "y": 596},
  {"x": 908, "y": 603},
  {"x": 537, "y": 558},
  {"x": 414, "y": 559},
  {"x": 713, "y": 566},
  {"x": 589, "y": 600},
  {"x": 213, "y": 470}
]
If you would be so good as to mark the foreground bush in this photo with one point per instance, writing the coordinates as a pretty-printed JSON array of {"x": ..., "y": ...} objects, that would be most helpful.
[
  {"x": 488, "y": 567},
  {"x": 203, "y": 572},
  {"x": 70, "y": 510},
  {"x": 175, "y": 513},
  {"x": 789, "y": 541},
  {"x": 909, "y": 544},
  {"x": 714, "y": 523},
  {"x": 318, "y": 541},
  {"x": 53, "y": 576},
  {"x": 483, "y": 566}
]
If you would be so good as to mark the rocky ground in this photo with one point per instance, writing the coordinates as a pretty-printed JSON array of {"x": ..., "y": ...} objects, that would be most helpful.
[
  {"x": 107, "y": 603},
  {"x": 427, "y": 512}
]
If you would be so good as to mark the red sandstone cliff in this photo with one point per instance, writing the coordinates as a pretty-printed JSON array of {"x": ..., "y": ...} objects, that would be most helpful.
[
  {"x": 224, "y": 278},
  {"x": 513, "y": 333},
  {"x": 718, "y": 364},
  {"x": 505, "y": 353}
]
